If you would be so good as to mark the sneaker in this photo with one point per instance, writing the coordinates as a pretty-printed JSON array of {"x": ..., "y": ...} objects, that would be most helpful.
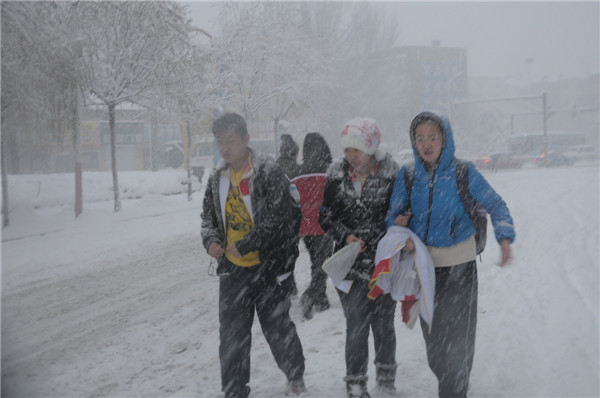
[{"x": 295, "y": 387}]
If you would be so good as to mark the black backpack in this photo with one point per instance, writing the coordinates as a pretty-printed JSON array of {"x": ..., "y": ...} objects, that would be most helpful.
[{"x": 473, "y": 208}]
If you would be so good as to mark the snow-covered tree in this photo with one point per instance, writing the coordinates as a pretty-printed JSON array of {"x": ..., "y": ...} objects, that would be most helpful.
[
  {"x": 186, "y": 92},
  {"x": 41, "y": 76},
  {"x": 132, "y": 45},
  {"x": 361, "y": 75},
  {"x": 309, "y": 62},
  {"x": 300, "y": 73},
  {"x": 372, "y": 74}
]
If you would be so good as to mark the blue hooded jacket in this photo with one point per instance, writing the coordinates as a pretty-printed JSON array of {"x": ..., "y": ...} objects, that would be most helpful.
[{"x": 445, "y": 222}]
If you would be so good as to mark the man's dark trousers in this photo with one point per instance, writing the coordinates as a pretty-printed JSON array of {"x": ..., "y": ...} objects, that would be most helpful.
[{"x": 242, "y": 291}]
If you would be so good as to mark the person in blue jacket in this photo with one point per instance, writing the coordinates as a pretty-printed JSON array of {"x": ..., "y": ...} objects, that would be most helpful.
[{"x": 436, "y": 214}]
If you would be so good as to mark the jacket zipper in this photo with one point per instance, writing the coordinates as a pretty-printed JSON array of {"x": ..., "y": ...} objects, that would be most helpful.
[{"x": 430, "y": 207}]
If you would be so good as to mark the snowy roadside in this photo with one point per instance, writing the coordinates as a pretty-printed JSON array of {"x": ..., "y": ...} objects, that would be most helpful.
[
  {"x": 121, "y": 304},
  {"x": 43, "y": 202}
]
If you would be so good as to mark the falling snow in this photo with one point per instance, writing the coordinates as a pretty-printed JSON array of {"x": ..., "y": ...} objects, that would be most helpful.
[{"x": 122, "y": 304}]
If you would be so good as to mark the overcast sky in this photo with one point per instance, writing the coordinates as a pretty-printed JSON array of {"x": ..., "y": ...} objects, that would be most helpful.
[{"x": 560, "y": 39}]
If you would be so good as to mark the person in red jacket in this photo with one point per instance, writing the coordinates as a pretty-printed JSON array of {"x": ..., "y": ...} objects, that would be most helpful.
[{"x": 316, "y": 158}]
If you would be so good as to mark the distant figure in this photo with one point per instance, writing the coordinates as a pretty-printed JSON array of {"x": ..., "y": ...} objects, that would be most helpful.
[
  {"x": 245, "y": 227},
  {"x": 494, "y": 158},
  {"x": 288, "y": 156},
  {"x": 316, "y": 158}
]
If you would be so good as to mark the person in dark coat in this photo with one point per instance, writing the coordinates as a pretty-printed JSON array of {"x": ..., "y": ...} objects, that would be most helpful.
[
  {"x": 244, "y": 227},
  {"x": 287, "y": 161},
  {"x": 355, "y": 202},
  {"x": 316, "y": 158},
  {"x": 288, "y": 156},
  {"x": 440, "y": 220}
]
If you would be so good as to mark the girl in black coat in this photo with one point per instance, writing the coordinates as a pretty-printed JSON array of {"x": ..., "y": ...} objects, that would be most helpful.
[{"x": 355, "y": 203}]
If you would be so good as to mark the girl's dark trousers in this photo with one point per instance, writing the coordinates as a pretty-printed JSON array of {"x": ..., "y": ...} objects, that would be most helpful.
[
  {"x": 451, "y": 343},
  {"x": 362, "y": 315},
  {"x": 242, "y": 292}
]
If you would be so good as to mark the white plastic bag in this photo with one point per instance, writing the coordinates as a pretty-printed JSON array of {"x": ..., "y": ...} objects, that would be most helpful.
[{"x": 338, "y": 265}]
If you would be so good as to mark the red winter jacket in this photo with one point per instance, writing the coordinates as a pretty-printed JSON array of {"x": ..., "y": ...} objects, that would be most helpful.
[{"x": 310, "y": 187}]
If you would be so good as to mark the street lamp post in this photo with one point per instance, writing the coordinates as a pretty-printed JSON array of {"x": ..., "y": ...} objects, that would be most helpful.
[
  {"x": 528, "y": 62},
  {"x": 545, "y": 120}
]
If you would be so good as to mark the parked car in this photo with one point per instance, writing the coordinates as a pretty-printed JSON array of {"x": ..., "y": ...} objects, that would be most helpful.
[
  {"x": 554, "y": 159},
  {"x": 498, "y": 161}
]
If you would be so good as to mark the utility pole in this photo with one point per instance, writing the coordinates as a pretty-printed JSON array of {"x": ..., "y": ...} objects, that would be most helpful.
[
  {"x": 5, "y": 218},
  {"x": 544, "y": 112},
  {"x": 545, "y": 120}
]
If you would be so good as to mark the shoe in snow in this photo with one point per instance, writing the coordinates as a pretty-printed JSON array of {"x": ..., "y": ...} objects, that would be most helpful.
[
  {"x": 356, "y": 386},
  {"x": 322, "y": 305},
  {"x": 356, "y": 391},
  {"x": 386, "y": 378},
  {"x": 242, "y": 393},
  {"x": 295, "y": 387}
]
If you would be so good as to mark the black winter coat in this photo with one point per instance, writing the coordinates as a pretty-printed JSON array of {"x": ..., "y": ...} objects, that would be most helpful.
[
  {"x": 272, "y": 235},
  {"x": 346, "y": 212},
  {"x": 316, "y": 156}
]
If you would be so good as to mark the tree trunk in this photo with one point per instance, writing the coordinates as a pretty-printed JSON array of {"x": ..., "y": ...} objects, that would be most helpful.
[
  {"x": 113, "y": 155},
  {"x": 188, "y": 152},
  {"x": 153, "y": 144},
  {"x": 12, "y": 146},
  {"x": 275, "y": 136},
  {"x": 5, "y": 219},
  {"x": 77, "y": 150}
]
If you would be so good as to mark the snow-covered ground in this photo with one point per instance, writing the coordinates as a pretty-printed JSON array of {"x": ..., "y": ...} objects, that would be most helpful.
[{"x": 121, "y": 304}]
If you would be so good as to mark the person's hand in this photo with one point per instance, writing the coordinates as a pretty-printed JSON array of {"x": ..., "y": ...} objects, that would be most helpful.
[
  {"x": 215, "y": 250},
  {"x": 402, "y": 220},
  {"x": 352, "y": 238},
  {"x": 409, "y": 246},
  {"x": 505, "y": 252},
  {"x": 231, "y": 249}
]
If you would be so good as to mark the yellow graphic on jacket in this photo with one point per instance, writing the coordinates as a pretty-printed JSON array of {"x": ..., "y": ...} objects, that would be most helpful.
[{"x": 238, "y": 221}]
